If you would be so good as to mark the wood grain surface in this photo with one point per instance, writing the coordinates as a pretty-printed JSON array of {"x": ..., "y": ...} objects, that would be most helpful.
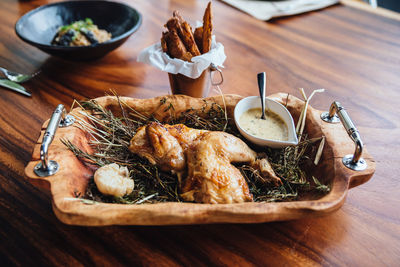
[{"x": 354, "y": 54}]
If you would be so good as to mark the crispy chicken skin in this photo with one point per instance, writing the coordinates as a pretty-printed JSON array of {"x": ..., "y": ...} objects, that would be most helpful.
[
  {"x": 205, "y": 157},
  {"x": 159, "y": 147},
  {"x": 164, "y": 145},
  {"x": 211, "y": 176}
]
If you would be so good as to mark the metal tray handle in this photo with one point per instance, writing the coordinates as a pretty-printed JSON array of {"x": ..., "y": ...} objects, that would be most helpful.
[
  {"x": 59, "y": 118},
  {"x": 338, "y": 114}
]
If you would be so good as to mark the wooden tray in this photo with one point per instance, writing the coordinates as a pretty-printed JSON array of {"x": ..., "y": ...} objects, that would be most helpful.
[{"x": 73, "y": 176}]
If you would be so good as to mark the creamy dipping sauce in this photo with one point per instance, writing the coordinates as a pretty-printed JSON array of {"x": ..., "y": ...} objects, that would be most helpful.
[{"x": 273, "y": 127}]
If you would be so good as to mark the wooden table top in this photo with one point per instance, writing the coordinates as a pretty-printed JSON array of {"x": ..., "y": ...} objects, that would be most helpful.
[{"x": 353, "y": 54}]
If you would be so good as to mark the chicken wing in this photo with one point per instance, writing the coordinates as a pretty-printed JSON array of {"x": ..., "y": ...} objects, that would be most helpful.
[{"x": 155, "y": 143}]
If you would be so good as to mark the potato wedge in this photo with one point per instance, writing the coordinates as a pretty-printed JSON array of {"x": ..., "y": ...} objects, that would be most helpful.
[
  {"x": 185, "y": 33},
  {"x": 176, "y": 48},
  {"x": 198, "y": 37},
  {"x": 207, "y": 29},
  {"x": 164, "y": 45}
]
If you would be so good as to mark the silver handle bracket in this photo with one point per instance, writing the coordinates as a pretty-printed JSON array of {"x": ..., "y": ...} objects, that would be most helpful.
[
  {"x": 60, "y": 118},
  {"x": 338, "y": 114},
  {"x": 214, "y": 67}
]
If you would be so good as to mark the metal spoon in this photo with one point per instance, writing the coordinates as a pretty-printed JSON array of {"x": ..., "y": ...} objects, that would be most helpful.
[{"x": 262, "y": 77}]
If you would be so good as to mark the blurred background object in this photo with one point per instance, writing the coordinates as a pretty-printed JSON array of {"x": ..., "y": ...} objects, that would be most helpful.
[
  {"x": 266, "y": 10},
  {"x": 389, "y": 4}
]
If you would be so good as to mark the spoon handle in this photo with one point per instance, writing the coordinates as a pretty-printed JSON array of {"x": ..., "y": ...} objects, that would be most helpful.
[{"x": 261, "y": 77}]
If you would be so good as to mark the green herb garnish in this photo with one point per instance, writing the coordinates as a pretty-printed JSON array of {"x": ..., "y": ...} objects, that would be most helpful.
[{"x": 78, "y": 25}]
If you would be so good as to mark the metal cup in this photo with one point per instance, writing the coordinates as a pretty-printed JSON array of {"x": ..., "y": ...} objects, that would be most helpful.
[{"x": 199, "y": 87}]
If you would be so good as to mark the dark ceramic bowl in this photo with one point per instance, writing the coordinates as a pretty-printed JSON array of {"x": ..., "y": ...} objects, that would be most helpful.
[{"x": 39, "y": 26}]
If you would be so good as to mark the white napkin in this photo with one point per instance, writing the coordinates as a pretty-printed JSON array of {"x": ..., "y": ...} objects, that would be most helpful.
[
  {"x": 265, "y": 10},
  {"x": 154, "y": 56}
]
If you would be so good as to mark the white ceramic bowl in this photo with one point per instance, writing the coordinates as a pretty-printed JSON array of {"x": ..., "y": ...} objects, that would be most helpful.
[{"x": 255, "y": 102}]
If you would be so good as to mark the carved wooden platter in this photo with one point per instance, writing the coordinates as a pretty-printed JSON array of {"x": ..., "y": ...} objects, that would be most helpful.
[{"x": 73, "y": 176}]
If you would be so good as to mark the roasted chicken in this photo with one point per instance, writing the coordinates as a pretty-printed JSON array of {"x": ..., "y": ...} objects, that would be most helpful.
[{"x": 204, "y": 157}]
